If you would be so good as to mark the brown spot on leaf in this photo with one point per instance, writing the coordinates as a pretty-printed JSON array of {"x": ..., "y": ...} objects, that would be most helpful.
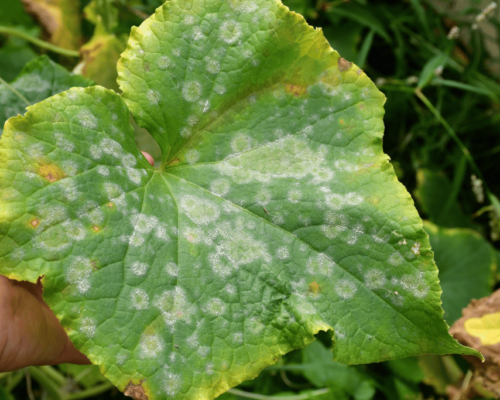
[
  {"x": 111, "y": 205},
  {"x": 34, "y": 222},
  {"x": 343, "y": 64},
  {"x": 96, "y": 228},
  {"x": 51, "y": 172},
  {"x": 295, "y": 90},
  {"x": 135, "y": 391}
]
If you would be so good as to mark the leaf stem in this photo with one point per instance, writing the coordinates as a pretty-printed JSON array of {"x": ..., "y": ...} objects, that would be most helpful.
[
  {"x": 53, "y": 373},
  {"x": 494, "y": 201},
  {"x": 37, "y": 42},
  {"x": 93, "y": 391},
  {"x": 46, "y": 383},
  {"x": 13, "y": 90},
  {"x": 304, "y": 396}
]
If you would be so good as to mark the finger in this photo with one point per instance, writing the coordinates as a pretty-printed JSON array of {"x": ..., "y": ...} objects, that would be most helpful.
[
  {"x": 30, "y": 333},
  {"x": 150, "y": 159}
]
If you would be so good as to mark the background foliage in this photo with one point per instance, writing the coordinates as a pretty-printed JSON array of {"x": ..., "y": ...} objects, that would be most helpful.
[{"x": 442, "y": 133}]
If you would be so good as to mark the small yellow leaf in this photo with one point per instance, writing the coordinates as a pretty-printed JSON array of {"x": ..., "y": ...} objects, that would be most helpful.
[{"x": 486, "y": 328}]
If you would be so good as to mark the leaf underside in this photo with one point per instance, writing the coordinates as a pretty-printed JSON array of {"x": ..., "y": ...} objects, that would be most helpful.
[{"x": 274, "y": 214}]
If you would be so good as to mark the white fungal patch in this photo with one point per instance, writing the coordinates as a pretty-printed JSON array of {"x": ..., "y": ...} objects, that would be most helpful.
[
  {"x": 240, "y": 248},
  {"x": 192, "y": 156},
  {"x": 238, "y": 337},
  {"x": 415, "y": 284},
  {"x": 219, "y": 267},
  {"x": 75, "y": 230},
  {"x": 151, "y": 346},
  {"x": 36, "y": 150},
  {"x": 230, "y": 32},
  {"x": 188, "y": 20},
  {"x": 88, "y": 327},
  {"x": 220, "y": 187},
  {"x": 240, "y": 143},
  {"x": 70, "y": 189},
  {"x": 263, "y": 197},
  {"x": 111, "y": 147},
  {"x": 345, "y": 289},
  {"x": 174, "y": 306},
  {"x": 139, "y": 268},
  {"x": 103, "y": 170},
  {"x": 134, "y": 175},
  {"x": 192, "y": 234},
  {"x": 163, "y": 62},
  {"x": 255, "y": 326},
  {"x": 172, "y": 384},
  {"x": 336, "y": 201},
  {"x": 219, "y": 89},
  {"x": 215, "y": 307},
  {"x": 95, "y": 152},
  {"x": 87, "y": 119},
  {"x": 53, "y": 214},
  {"x": 112, "y": 190},
  {"x": 282, "y": 253},
  {"x": 153, "y": 97},
  {"x": 213, "y": 66},
  {"x": 63, "y": 143},
  {"x": 191, "y": 91},
  {"x": 79, "y": 274},
  {"x": 200, "y": 211},
  {"x": 143, "y": 223},
  {"x": 192, "y": 120},
  {"x": 320, "y": 265},
  {"x": 140, "y": 299},
  {"x": 294, "y": 196},
  {"x": 375, "y": 279},
  {"x": 395, "y": 259},
  {"x": 416, "y": 248},
  {"x": 172, "y": 269}
]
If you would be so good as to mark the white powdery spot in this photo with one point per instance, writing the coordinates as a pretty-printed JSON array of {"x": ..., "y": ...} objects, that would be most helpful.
[
  {"x": 87, "y": 120},
  {"x": 282, "y": 253},
  {"x": 336, "y": 201},
  {"x": 75, "y": 230},
  {"x": 95, "y": 152},
  {"x": 151, "y": 346},
  {"x": 63, "y": 143},
  {"x": 79, "y": 274},
  {"x": 88, "y": 327},
  {"x": 416, "y": 248},
  {"x": 111, "y": 147},
  {"x": 174, "y": 306},
  {"x": 70, "y": 189},
  {"x": 294, "y": 196},
  {"x": 163, "y": 62},
  {"x": 139, "y": 268},
  {"x": 200, "y": 211},
  {"x": 102, "y": 170},
  {"x": 112, "y": 190},
  {"x": 153, "y": 97},
  {"x": 219, "y": 89},
  {"x": 219, "y": 267},
  {"x": 375, "y": 279},
  {"x": 415, "y": 284},
  {"x": 230, "y": 32},
  {"x": 192, "y": 156},
  {"x": 263, "y": 197},
  {"x": 240, "y": 143},
  {"x": 191, "y": 91},
  {"x": 240, "y": 248},
  {"x": 143, "y": 223},
  {"x": 140, "y": 299},
  {"x": 213, "y": 66},
  {"x": 129, "y": 161},
  {"x": 215, "y": 307},
  {"x": 53, "y": 214},
  {"x": 172, "y": 384},
  {"x": 396, "y": 259},
  {"x": 172, "y": 269},
  {"x": 220, "y": 187},
  {"x": 192, "y": 234},
  {"x": 320, "y": 265},
  {"x": 203, "y": 351},
  {"x": 345, "y": 289},
  {"x": 134, "y": 175}
]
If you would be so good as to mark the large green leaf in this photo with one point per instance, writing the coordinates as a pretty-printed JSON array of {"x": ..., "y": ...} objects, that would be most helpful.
[
  {"x": 274, "y": 213},
  {"x": 39, "y": 79},
  {"x": 467, "y": 264}
]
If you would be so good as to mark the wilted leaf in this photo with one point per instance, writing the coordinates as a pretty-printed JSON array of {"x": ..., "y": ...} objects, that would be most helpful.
[
  {"x": 274, "y": 213},
  {"x": 480, "y": 328},
  {"x": 59, "y": 18},
  {"x": 39, "y": 79},
  {"x": 467, "y": 264}
]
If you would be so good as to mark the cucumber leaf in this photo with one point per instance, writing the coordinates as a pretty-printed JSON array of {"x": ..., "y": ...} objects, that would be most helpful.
[{"x": 274, "y": 213}]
